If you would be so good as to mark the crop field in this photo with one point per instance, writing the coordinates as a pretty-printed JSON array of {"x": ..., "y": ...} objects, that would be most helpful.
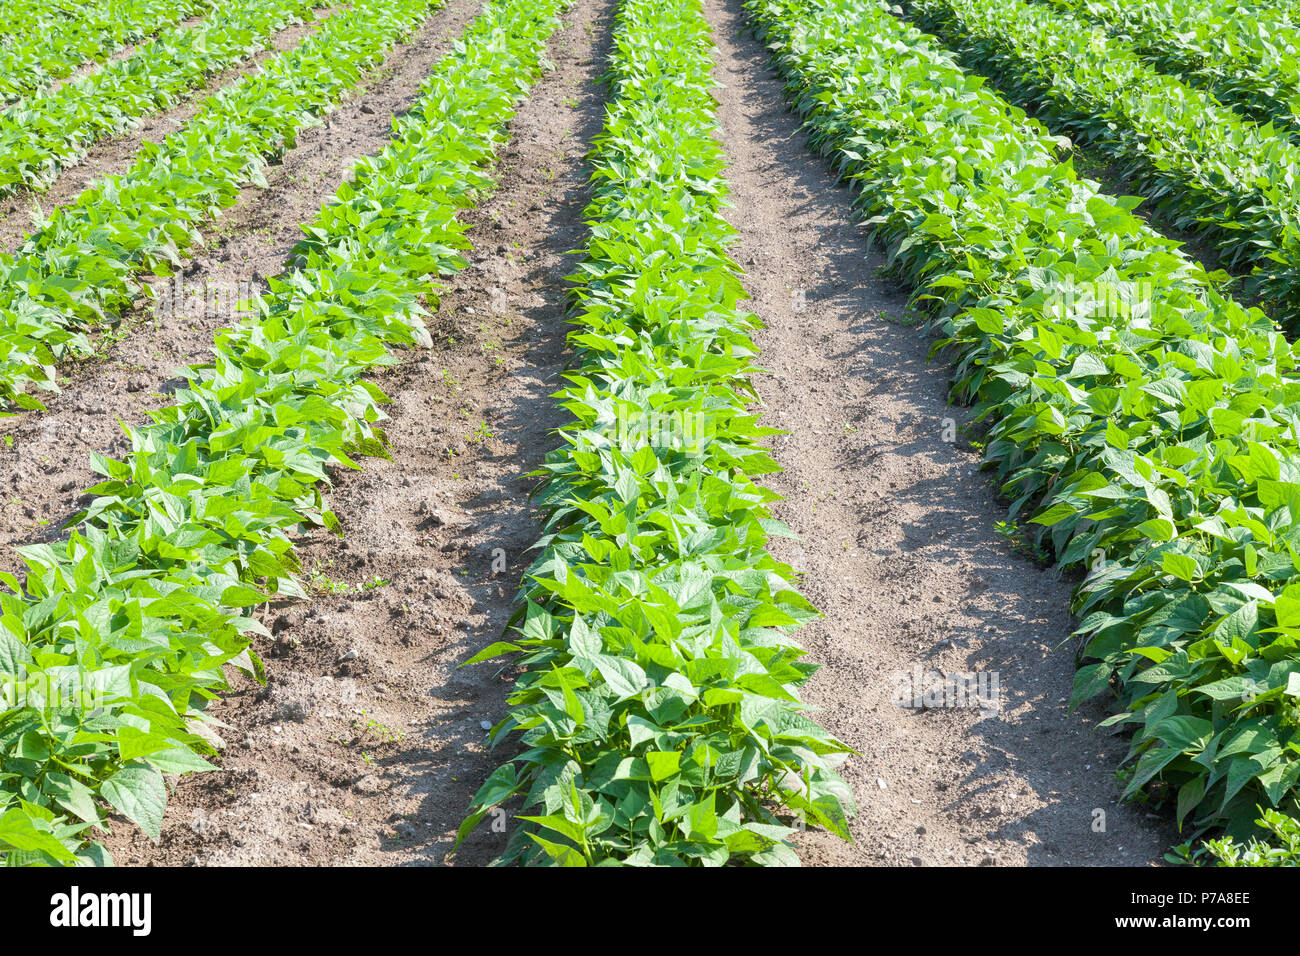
[{"x": 649, "y": 432}]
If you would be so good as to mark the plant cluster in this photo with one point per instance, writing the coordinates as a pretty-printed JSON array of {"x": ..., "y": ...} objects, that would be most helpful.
[
  {"x": 1280, "y": 848},
  {"x": 1246, "y": 55},
  {"x": 140, "y": 609},
  {"x": 81, "y": 269},
  {"x": 41, "y": 42},
  {"x": 658, "y": 707},
  {"x": 46, "y": 133},
  {"x": 1207, "y": 169},
  {"x": 1156, "y": 445}
]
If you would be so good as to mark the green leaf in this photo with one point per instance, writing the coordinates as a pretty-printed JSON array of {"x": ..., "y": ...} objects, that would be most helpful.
[
  {"x": 663, "y": 764},
  {"x": 137, "y": 792},
  {"x": 495, "y": 649},
  {"x": 561, "y": 854}
]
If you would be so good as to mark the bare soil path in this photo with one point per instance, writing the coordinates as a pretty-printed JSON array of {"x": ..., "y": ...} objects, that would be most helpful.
[
  {"x": 898, "y": 540},
  {"x": 367, "y": 743}
]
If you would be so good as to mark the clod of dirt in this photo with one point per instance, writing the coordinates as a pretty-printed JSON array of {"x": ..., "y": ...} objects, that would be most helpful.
[{"x": 434, "y": 517}]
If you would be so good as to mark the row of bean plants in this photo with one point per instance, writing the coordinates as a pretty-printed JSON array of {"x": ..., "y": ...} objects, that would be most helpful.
[
  {"x": 81, "y": 270},
  {"x": 658, "y": 709},
  {"x": 1206, "y": 167},
  {"x": 1248, "y": 55},
  {"x": 46, "y": 133},
  {"x": 42, "y": 42}
]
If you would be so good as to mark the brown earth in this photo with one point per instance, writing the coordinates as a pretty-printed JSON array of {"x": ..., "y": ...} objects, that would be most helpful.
[{"x": 367, "y": 741}]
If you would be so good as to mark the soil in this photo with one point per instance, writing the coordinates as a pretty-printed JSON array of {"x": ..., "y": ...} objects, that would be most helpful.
[{"x": 368, "y": 739}]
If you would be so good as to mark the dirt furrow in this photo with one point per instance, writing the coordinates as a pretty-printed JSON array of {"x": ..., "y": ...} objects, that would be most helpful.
[
  {"x": 44, "y": 457},
  {"x": 368, "y": 741},
  {"x": 112, "y": 157},
  {"x": 925, "y": 602}
]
